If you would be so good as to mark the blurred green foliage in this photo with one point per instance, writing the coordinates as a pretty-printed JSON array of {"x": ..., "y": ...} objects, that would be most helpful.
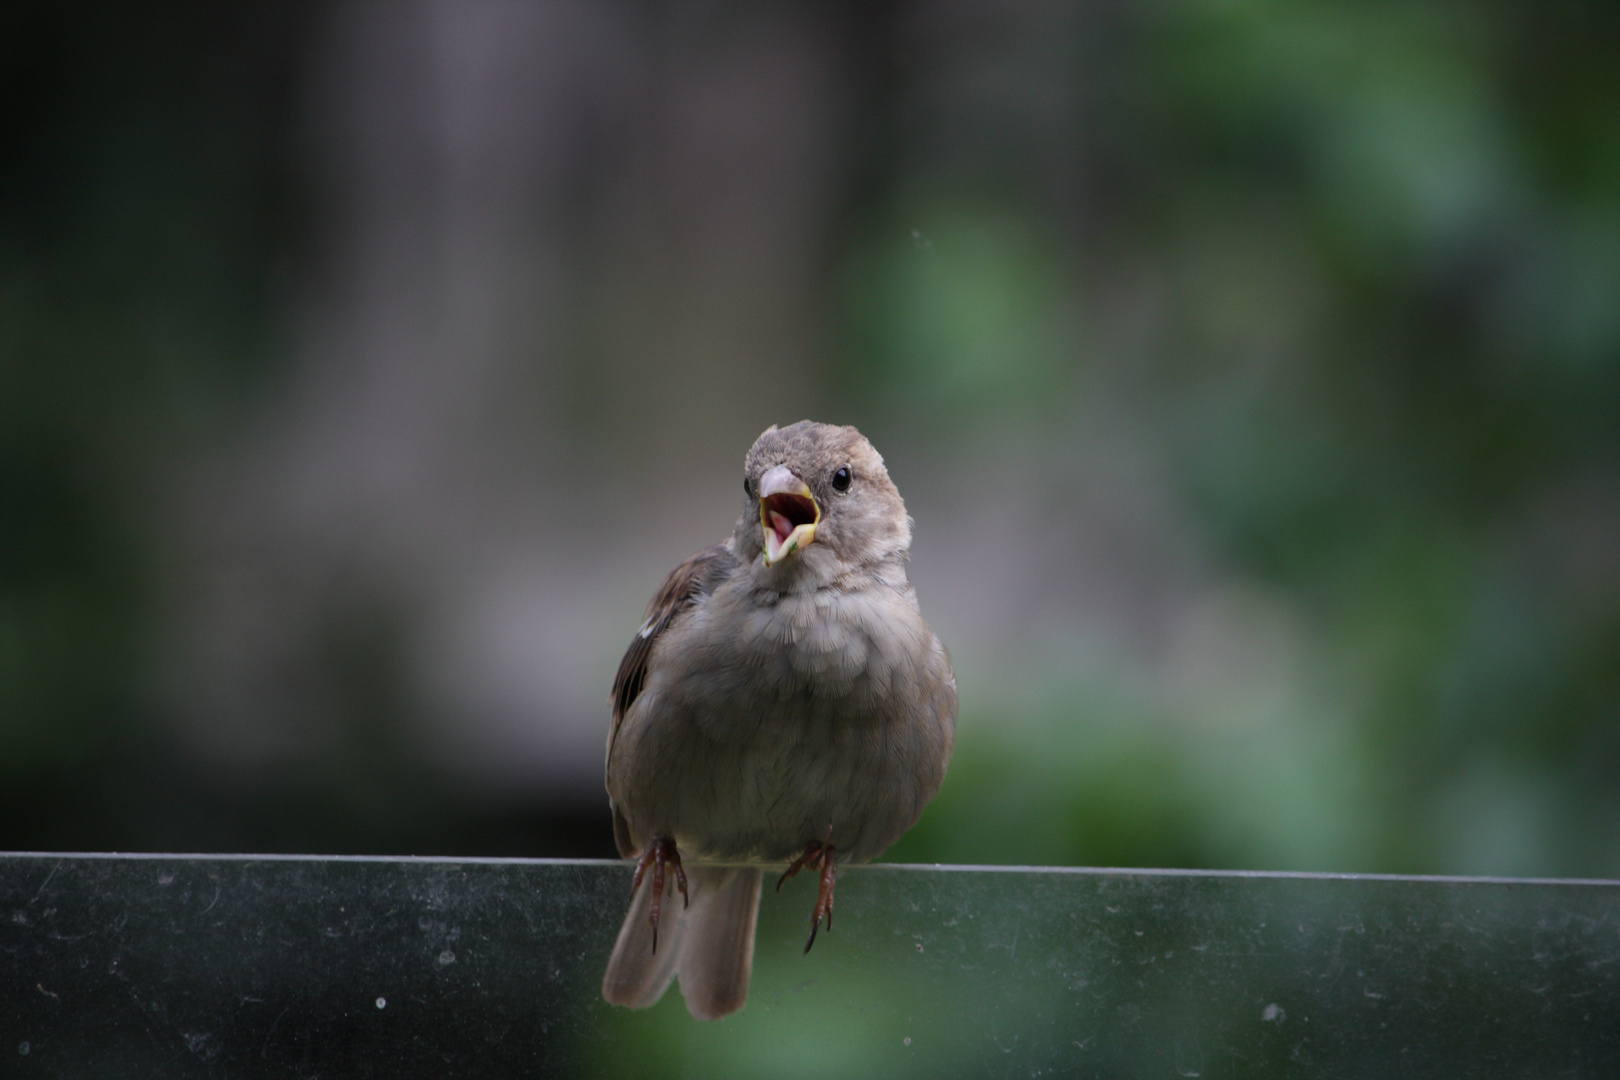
[
  {"x": 1354, "y": 269},
  {"x": 137, "y": 208},
  {"x": 1376, "y": 250}
]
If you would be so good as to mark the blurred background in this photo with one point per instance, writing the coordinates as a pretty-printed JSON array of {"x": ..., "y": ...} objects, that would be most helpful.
[{"x": 1251, "y": 370}]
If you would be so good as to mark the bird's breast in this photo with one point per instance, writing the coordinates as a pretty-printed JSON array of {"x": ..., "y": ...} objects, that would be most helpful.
[
  {"x": 854, "y": 648},
  {"x": 761, "y": 721}
]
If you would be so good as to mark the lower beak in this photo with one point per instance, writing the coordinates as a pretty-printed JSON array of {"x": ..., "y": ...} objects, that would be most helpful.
[
  {"x": 788, "y": 514},
  {"x": 778, "y": 549}
]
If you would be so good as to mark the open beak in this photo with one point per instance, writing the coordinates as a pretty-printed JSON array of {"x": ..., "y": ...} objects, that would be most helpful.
[{"x": 788, "y": 514}]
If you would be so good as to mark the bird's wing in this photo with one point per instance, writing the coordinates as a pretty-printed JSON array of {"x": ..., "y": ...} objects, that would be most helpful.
[
  {"x": 687, "y": 585},
  {"x": 682, "y": 590}
]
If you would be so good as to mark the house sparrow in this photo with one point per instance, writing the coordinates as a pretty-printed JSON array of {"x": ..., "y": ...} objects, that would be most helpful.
[{"x": 783, "y": 702}]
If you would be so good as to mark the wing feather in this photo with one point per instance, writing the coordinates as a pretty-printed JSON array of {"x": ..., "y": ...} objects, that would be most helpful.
[{"x": 686, "y": 586}]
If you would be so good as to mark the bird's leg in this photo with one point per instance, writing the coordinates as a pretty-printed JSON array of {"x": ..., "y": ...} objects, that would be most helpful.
[
  {"x": 824, "y": 895},
  {"x": 811, "y": 858},
  {"x": 817, "y": 855},
  {"x": 659, "y": 854}
]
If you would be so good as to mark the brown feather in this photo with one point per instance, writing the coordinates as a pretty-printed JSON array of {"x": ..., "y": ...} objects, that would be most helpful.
[
  {"x": 685, "y": 586},
  {"x": 717, "y": 946}
]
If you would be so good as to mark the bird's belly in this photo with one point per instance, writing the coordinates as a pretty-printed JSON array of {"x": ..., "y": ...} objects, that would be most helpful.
[
  {"x": 812, "y": 720},
  {"x": 756, "y": 771},
  {"x": 805, "y": 771}
]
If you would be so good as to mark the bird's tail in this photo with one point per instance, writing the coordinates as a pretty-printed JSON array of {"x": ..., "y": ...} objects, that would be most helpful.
[{"x": 708, "y": 944}]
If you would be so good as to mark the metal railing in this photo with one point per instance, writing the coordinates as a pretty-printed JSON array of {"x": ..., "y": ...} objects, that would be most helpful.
[{"x": 275, "y": 966}]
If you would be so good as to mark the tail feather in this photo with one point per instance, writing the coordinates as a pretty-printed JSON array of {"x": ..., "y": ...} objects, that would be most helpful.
[
  {"x": 708, "y": 943},
  {"x": 636, "y": 975},
  {"x": 717, "y": 951}
]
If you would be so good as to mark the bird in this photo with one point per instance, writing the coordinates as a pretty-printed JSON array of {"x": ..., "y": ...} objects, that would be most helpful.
[{"x": 782, "y": 702}]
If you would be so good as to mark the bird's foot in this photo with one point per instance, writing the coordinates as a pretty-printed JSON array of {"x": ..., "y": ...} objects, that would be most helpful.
[
  {"x": 659, "y": 854},
  {"x": 817, "y": 855}
]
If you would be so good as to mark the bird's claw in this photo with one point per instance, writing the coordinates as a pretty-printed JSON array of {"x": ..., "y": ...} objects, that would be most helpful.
[
  {"x": 817, "y": 855},
  {"x": 659, "y": 854}
]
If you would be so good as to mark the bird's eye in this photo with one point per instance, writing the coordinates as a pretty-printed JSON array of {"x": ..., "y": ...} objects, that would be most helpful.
[
  {"x": 748, "y": 488},
  {"x": 841, "y": 478}
]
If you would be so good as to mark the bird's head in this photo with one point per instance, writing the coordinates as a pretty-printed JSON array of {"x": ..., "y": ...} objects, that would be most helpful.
[{"x": 819, "y": 496}]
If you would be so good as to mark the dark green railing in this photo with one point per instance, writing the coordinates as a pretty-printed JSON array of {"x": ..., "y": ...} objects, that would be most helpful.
[{"x": 341, "y": 967}]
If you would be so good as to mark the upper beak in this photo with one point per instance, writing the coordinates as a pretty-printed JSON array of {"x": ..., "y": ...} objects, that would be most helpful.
[{"x": 788, "y": 513}]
